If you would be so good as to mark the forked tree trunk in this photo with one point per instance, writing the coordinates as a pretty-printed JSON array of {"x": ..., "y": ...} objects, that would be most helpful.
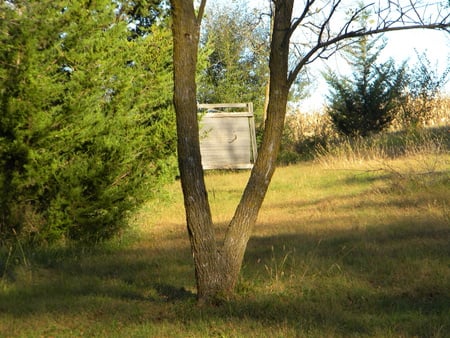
[{"x": 217, "y": 268}]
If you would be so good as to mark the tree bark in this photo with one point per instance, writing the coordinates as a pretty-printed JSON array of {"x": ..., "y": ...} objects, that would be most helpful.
[
  {"x": 208, "y": 272},
  {"x": 246, "y": 214}
]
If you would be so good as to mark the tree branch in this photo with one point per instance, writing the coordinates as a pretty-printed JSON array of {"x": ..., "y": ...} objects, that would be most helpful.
[
  {"x": 392, "y": 17},
  {"x": 201, "y": 11},
  {"x": 299, "y": 20}
]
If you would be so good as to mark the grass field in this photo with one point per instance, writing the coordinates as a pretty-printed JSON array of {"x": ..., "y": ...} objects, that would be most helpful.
[{"x": 341, "y": 249}]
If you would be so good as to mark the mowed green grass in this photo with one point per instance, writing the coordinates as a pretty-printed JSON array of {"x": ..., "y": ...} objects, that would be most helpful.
[{"x": 340, "y": 249}]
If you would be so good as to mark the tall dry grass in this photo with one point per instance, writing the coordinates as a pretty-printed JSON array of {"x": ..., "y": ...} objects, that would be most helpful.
[{"x": 418, "y": 127}]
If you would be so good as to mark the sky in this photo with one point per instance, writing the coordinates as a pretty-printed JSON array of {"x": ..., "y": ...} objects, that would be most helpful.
[{"x": 400, "y": 46}]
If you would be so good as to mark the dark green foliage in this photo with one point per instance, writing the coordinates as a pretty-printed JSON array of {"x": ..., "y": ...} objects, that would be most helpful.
[
  {"x": 142, "y": 15},
  {"x": 365, "y": 103},
  {"x": 86, "y": 128}
]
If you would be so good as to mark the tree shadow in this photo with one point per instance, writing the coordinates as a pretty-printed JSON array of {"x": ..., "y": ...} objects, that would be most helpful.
[
  {"x": 74, "y": 280},
  {"x": 356, "y": 281}
]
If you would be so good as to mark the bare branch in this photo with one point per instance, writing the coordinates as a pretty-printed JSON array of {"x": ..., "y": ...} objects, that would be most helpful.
[
  {"x": 415, "y": 11},
  {"x": 391, "y": 15},
  {"x": 327, "y": 21},
  {"x": 305, "y": 12},
  {"x": 323, "y": 46}
]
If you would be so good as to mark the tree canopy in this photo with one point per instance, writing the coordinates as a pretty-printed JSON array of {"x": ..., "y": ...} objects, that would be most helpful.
[{"x": 235, "y": 45}]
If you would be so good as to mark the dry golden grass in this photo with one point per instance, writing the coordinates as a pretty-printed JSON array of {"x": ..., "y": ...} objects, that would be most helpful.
[
  {"x": 308, "y": 136},
  {"x": 318, "y": 124},
  {"x": 351, "y": 248}
]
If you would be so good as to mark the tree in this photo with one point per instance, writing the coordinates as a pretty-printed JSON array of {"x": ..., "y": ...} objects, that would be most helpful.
[
  {"x": 236, "y": 45},
  {"x": 367, "y": 102},
  {"x": 86, "y": 125},
  {"x": 142, "y": 15},
  {"x": 422, "y": 93},
  {"x": 217, "y": 265}
]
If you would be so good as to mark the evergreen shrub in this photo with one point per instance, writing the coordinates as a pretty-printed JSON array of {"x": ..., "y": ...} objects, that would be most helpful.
[{"x": 87, "y": 129}]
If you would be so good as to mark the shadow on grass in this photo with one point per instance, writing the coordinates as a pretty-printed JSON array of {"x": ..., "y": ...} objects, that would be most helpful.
[{"x": 390, "y": 280}]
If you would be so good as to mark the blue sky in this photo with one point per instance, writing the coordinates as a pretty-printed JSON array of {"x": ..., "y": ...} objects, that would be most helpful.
[{"x": 401, "y": 46}]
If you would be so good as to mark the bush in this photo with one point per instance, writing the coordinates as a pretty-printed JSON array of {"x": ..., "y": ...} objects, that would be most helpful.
[
  {"x": 87, "y": 129},
  {"x": 422, "y": 101},
  {"x": 365, "y": 103}
]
